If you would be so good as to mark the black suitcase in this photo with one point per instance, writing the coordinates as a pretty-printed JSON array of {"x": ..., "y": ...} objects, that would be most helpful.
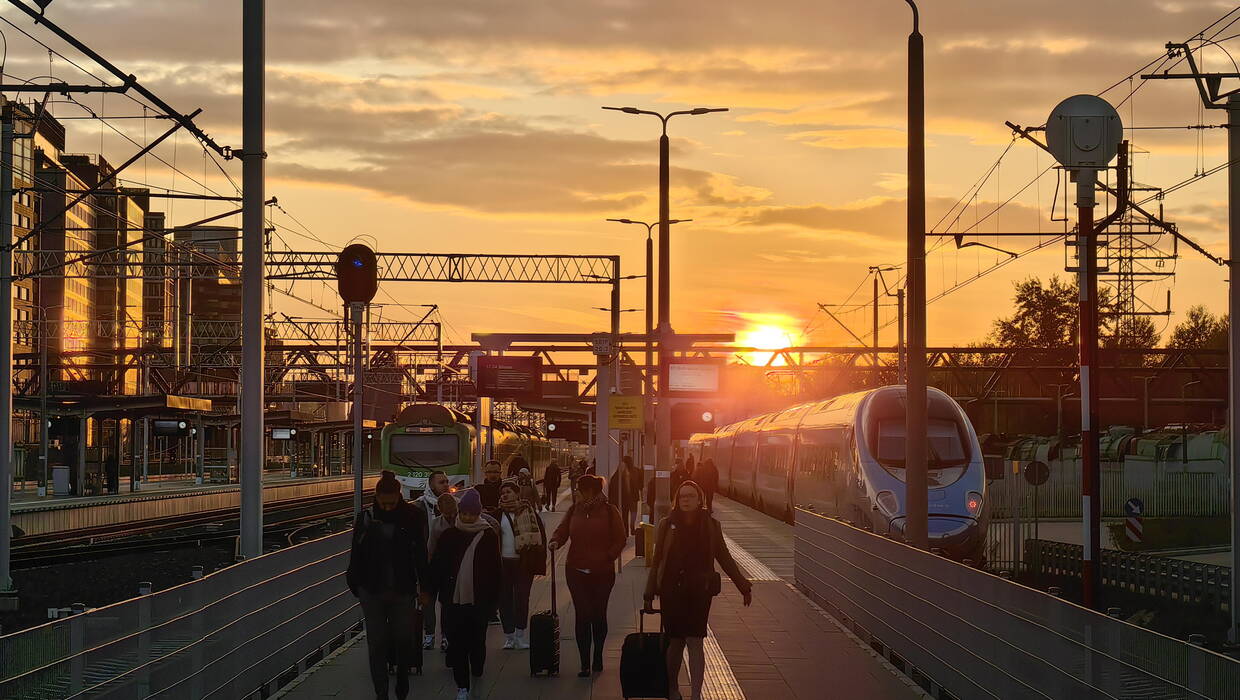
[
  {"x": 545, "y": 636},
  {"x": 415, "y": 650},
  {"x": 643, "y": 662}
]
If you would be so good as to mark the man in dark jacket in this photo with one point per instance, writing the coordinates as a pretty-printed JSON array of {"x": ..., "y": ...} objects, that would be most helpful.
[
  {"x": 426, "y": 508},
  {"x": 707, "y": 477},
  {"x": 551, "y": 485},
  {"x": 488, "y": 490},
  {"x": 387, "y": 564},
  {"x": 679, "y": 476}
]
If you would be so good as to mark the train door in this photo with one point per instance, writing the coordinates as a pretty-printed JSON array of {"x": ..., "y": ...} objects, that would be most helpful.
[
  {"x": 744, "y": 456},
  {"x": 771, "y": 478}
]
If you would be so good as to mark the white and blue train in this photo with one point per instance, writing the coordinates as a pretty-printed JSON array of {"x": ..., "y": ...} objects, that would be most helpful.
[{"x": 844, "y": 457}]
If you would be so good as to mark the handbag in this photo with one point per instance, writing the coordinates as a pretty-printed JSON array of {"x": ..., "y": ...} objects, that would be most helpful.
[
  {"x": 534, "y": 559},
  {"x": 714, "y": 585}
]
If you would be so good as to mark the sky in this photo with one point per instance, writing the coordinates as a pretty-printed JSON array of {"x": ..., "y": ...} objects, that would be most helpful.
[{"x": 475, "y": 126}]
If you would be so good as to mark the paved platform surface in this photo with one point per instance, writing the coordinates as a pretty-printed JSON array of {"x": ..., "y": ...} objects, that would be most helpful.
[
  {"x": 780, "y": 647},
  {"x": 28, "y": 499}
]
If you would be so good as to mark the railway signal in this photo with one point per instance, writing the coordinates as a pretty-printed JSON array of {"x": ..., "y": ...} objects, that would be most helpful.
[{"x": 357, "y": 274}]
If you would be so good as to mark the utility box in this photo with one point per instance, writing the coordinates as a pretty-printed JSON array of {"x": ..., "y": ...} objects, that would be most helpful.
[{"x": 60, "y": 481}]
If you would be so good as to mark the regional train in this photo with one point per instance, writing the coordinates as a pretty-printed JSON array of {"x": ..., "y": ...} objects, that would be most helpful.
[
  {"x": 844, "y": 457},
  {"x": 431, "y": 437}
]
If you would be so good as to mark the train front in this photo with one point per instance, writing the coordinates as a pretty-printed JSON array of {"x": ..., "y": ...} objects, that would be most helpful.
[{"x": 956, "y": 474}]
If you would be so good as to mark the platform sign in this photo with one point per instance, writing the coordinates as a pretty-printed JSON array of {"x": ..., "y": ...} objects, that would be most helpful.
[
  {"x": 1037, "y": 473},
  {"x": 625, "y": 412},
  {"x": 509, "y": 378},
  {"x": 693, "y": 377},
  {"x": 1133, "y": 527}
]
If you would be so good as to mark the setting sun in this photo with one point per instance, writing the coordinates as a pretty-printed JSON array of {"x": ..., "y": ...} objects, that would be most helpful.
[{"x": 772, "y": 332}]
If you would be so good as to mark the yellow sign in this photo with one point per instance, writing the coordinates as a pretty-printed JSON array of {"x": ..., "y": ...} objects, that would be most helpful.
[{"x": 625, "y": 413}]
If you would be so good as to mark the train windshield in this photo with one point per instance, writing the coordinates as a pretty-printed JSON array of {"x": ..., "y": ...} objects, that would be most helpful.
[
  {"x": 424, "y": 450},
  {"x": 947, "y": 458}
]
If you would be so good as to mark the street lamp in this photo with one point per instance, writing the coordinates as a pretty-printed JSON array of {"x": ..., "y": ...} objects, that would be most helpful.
[
  {"x": 45, "y": 425},
  {"x": 1184, "y": 420},
  {"x": 663, "y": 424}
]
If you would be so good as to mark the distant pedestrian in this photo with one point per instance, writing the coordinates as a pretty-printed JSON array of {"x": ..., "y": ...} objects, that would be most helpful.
[
  {"x": 626, "y": 491},
  {"x": 690, "y": 465},
  {"x": 523, "y": 555},
  {"x": 688, "y": 542},
  {"x": 442, "y": 522},
  {"x": 596, "y": 531},
  {"x": 551, "y": 485},
  {"x": 387, "y": 564},
  {"x": 465, "y": 577},
  {"x": 426, "y": 507},
  {"x": 679, "y": 476},
  {"x": 489, "y": 488},
  {"x": 515, "y": 466},
  {"x": 529, "y": 492},
  {"x": 707, "y": 477}
]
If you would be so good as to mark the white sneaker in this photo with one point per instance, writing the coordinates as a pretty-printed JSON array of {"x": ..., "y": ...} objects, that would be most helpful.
[
  {"x": 428, "y": 641},
  {"x": 510, "y": 641},
  {"x": 462, "y": 694},
  {"x": 523, "y": 639}
]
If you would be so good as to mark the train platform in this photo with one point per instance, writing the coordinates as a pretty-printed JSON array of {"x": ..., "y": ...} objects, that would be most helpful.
[
  {"x": 780, "y": 647},
  {"x": 29, "y": 498}
]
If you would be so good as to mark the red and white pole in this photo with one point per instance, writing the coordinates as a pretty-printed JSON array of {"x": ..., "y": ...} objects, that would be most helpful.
[{"x": 1091, "y": 473}]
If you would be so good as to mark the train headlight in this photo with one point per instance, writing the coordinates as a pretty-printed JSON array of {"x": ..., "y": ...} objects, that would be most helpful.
[
  {"x": 888, "y": 502},
  {"x": 973, "y": 503}
]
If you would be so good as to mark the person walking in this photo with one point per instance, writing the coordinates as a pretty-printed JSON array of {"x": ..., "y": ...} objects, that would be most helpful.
[
  {"x": 596, "y": 532},
  {"x": 690, "y": 466},
  {"x": 529, "y": 492},
  {"x": 426, "y": 507},
  {"x": 516, "y": 465},
  {"x": 523, "y": 555},
  {"x": 688, "y": 542},
  {"x": 625, "y": 490},
  {"x": 465, "y": 577},
  {"x": 707, "y": 477},
  {"x": 551, "y": 485},
  {"x": 679, "y": 476},
  {"x": 489, "y": 488},
  {"x": 387, "y": 565}
]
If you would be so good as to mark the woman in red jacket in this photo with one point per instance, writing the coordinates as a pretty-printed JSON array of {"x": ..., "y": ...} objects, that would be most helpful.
[{"x": 597, "y": 533}]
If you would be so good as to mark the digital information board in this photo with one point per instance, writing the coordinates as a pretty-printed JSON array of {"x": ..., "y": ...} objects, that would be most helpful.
[{"x": 509, "y": 378}]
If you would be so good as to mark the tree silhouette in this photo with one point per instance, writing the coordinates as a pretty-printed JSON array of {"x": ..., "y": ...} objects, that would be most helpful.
[{"x": 1200, "y": 330}]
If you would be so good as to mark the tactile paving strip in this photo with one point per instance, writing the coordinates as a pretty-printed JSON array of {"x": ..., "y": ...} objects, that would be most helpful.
[
  {"x": 719, "y": 683},
  {"x": 754, "y": 569}
]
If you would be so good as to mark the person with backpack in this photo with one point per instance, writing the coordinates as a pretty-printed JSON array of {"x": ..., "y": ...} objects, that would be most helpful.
[
  {"x": 387, "y": 565},
  {"x": 523, "y": 555},
  {"x": 465, "y": 578},
  {"x": 688, "y": 542},
  {"x": 597, "y": 536}
]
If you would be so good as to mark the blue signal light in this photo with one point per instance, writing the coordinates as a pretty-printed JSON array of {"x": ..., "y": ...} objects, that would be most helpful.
[{"x": 357, "y": 262}]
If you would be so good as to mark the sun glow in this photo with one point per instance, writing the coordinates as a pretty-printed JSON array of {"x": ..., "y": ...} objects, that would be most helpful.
[{"x": 767, "y": 334}]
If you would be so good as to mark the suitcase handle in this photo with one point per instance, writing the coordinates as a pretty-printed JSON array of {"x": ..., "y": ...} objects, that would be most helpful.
[
  {"x": 554, "y": 608},
  {"x": 641, "y": 618}
]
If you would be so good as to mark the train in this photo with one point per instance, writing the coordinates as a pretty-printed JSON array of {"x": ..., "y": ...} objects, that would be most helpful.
[
  {"x": 433, "y": 437},
  {"x": 844, "y": 457}
]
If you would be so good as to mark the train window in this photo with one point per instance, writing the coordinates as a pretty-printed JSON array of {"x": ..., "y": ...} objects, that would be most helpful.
[
  {"x": 424, "y": 451},
  {"x": 774, "y": 454},
  {"x": 944, "y": 445}
]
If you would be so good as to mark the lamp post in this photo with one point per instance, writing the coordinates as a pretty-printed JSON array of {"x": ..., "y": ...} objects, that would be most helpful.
[
  {"x": 663, "y": 423},
  {"x": 1184, "y": 420},
  {"x": 916, "y": 505}
]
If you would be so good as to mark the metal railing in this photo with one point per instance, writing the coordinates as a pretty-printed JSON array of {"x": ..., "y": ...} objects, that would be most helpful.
[
  {"x": 979, "y": 636},
  {"x": 1190, "y": 582},
  {"x": 227, "y": 635}
]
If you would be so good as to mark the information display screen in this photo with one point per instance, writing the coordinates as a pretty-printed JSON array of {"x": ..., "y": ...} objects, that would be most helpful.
[
  {"x": 510, "y": 378},
  {"x": 693, "y": 377}
]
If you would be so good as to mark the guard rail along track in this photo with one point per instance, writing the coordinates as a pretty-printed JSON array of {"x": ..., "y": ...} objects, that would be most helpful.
[{"x": 964, "y": 633}]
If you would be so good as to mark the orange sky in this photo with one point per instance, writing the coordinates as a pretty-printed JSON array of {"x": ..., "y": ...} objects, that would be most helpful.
[{"x": 474, "y": 126}]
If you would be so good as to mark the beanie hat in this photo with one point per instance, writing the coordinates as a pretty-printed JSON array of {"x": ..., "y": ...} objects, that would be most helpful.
[
  {"x": 471, "y": 502},
  {"x": 387, "y": 483}
]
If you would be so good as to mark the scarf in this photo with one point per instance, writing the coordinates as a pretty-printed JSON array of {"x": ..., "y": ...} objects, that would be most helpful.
[
  {"x": 464, "y": 593},
  {"x": 524, "y": 522},
  {"x": 431, "y": 502},
  {"x": 690, "y": 548}
]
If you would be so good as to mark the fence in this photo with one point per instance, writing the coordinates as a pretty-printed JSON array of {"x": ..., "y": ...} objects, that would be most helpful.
[
  {"x": 1206, "y": 585},
  {"x": 980, "y": 636},
  {"x": 227, "y": 635}
]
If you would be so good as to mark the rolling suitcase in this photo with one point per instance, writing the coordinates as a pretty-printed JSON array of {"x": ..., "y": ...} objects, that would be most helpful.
[
  {"x": 415, "y": 651},
  {"x": 545, "y": 636},
  {"x": 643, "y": 662}
]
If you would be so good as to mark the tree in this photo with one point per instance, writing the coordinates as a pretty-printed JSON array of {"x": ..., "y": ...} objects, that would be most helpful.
[
  {"x": 1200, "y": 330},
  {"x": 1045, "y": 316},
  {"x": 1139, "y": 333}
]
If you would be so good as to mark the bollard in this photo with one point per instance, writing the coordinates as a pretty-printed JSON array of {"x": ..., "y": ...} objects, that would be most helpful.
[{"x": 144, "y": 638}]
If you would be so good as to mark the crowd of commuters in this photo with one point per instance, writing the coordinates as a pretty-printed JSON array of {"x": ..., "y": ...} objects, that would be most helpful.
[{"x": 452, "y": 562}]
